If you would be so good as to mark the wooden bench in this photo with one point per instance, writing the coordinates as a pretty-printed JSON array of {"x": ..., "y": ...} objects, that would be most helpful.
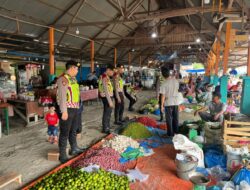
[{"x": 9, "y": 178}]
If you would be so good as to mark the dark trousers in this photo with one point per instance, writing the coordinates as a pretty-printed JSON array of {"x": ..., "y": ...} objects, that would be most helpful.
[
  {"x": 119, "y": 108},
  {"x": 68, "y": 131},
  {"x": 161, "y": 114},
  {"x": 172, "y": 119},
  {"x": 79, "y": 119},
  {"x": 131, "y": 99},
  {"x": 107, "y": 111}
]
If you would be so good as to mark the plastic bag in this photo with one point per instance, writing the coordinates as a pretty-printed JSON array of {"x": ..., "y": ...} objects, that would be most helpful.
[
  {"x": 214, "y": 156},
  {"x": 182, "y": 143},
  {"x": 238, "y": 151},
  {"x": 229, "y": 185},
  {"x": 130, "y": 154},
  {"x": 242, "y": 175},
  {"x": 244, "y": 185},
  {"x": 136, "y": 174},
  {"x": 218, "y": 173}
]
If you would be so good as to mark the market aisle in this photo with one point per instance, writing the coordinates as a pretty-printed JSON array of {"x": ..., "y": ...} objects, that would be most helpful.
[
  {"x": 162, "y": 171},
  {"x": 27, "y": 154}
]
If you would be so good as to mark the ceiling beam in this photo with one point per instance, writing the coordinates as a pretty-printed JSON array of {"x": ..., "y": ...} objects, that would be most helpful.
[
  {"x": 163, "y": 44},
  {"x": 118, "y": 16},
  {"x": 70, "y": 14},
  {"x": 159, "y": 36},
  {"x": 133, "y": 9},
  {"x": 71, "y": 21},
  {"x": 72, "y": 4},
  {"x": 156, "y": 15}
]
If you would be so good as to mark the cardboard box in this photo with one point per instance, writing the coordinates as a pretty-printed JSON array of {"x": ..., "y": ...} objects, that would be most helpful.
[{"x": 53, "y": 155}]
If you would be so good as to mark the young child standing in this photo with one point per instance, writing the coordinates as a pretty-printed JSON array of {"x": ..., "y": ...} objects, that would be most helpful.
[{"x": 52, "y": 121}]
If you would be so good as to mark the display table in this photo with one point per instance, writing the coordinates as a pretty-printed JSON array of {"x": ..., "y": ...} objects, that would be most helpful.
[
  {"x": 5, "y": 106},
  {"x": 89, "y": 95},
  {"x": 27, "y": 110}
]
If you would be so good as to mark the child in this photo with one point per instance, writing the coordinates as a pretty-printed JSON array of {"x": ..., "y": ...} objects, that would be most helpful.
[{"x": 52, "y": 121}]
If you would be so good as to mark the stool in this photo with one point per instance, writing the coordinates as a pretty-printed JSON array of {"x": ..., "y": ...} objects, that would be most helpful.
[
  {"x": 32, "y": 118},
  {"x": 9, "y": 178}
]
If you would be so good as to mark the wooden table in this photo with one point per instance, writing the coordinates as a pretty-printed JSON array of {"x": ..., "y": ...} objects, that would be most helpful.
[
  {"x": 89, "y": 95},
  {"x": 5, "y": 106},
  {"x": 27, "y": 110}
]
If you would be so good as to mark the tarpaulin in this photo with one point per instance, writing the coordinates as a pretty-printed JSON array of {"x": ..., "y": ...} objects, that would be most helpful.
[{"x": 161, "y": 169}]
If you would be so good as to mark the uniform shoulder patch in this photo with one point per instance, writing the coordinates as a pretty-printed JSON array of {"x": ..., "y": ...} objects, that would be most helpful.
[
  {"x": 104, "y": 75},
  {"x": 64, "y": 80}
]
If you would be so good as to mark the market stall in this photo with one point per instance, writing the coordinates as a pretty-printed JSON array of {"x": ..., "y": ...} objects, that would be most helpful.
[
  {"x": 137, "y": 158},
  {"x": 89, "y": 94}
]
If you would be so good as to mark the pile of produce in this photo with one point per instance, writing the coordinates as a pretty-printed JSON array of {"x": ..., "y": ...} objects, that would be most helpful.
[
  {"x": 73, "y": 179},
  {"x": 150, "y": 107},
  {"x": 136, "y": 130},
  {"x": 147, "y": 121},
  {"x": 120, "y": 143},
  {"x": 162, "y": 126},
  {"x": 106, "y": 158},
  {"x": 153, "y": 101}
]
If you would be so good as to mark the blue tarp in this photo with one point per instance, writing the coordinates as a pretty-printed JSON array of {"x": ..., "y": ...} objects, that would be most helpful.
[{"x": 195, "y": 70}]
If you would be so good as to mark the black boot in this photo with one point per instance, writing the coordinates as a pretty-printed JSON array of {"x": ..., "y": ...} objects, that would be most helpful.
[
  {"x": 118, "y": 123},
  {"x": 63, "y": 157},
  {"x": 76, "y": 151}
]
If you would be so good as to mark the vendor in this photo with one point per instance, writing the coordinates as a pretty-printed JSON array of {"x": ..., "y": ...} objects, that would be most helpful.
[
  {"x": 207, "y": 96},
  {"x": 92, "y": 79},
  {"x": 68, "y": 98},
  {"x": 106, "y": 93},
  {"x": 216, "y": 110},
  {"x": 119, "y": 97}
]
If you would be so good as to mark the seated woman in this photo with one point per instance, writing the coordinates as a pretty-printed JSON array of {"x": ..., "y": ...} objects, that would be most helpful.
[
  {"x": 216, "y": 110},
  {"x": 205, "y": 97}
]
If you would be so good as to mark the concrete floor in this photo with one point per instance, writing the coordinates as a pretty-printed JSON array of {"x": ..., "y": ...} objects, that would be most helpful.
[{"x": 25, "y": 149}]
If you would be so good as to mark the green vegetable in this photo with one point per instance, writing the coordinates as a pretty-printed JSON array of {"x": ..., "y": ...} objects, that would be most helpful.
[
  {"x": 136, "y": 130},
  {"x": 73, "y": 179},
  {"x": 153, "y": 101}
]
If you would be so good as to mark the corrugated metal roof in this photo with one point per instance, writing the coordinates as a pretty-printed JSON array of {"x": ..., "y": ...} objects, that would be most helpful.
[{"x": 46, "y": 12}]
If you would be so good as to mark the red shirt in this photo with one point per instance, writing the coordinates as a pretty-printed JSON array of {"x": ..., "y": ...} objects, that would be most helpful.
[{"x": 52, "y": 119}]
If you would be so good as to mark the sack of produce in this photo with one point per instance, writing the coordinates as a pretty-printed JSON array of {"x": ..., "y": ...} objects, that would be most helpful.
[{"x": 136, "y": 130}]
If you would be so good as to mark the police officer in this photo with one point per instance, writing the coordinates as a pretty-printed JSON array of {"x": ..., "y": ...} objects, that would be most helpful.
[
  {"x": 106, "y": 94},
  {"x": 119, "y": 97},
  {"x": 68, "y": 98}
]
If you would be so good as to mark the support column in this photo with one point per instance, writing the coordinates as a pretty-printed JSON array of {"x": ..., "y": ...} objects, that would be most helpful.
[
  {"x": 92, "y": 55},
  {"x": 51, "y": 55},
  {"x": 245, "y": 100},
  {"x": 115, "y": 56},
  {"x": 224, "y": 78},
  {"x": 129, "y": 60},
  {"x": 216, "y": 69}
]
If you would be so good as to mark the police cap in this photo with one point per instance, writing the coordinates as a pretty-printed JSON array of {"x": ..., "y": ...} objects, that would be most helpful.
[{"x": 71, "y": 63}]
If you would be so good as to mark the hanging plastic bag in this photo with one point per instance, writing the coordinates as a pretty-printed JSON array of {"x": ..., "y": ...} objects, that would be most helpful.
[{"x": 242, "y": 175}]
